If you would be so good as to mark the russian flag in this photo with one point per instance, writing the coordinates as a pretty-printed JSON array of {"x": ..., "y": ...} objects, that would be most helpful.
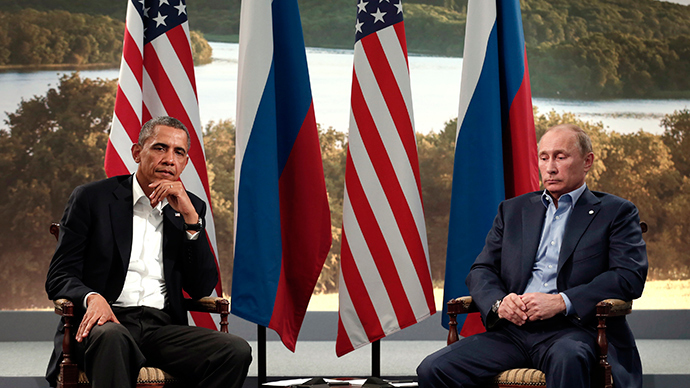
[
  {"x": 282, "y": 217},
  {"x": 496, "y": 147}
]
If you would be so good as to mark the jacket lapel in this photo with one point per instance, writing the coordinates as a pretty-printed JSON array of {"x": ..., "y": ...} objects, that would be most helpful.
[
  {"x": 532, "y": 222},
  {"x": 121, "y": 213},
  {"x": 583, "y": 213}
]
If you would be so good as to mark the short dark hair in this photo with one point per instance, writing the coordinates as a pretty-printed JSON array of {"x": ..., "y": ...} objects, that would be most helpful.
[
  {"x": 148, "y": 129},
  {"x": 584, "y": 143}
]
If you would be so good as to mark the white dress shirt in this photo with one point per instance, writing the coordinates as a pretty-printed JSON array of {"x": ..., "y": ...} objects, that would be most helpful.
[{"x": 144, "y": 282}]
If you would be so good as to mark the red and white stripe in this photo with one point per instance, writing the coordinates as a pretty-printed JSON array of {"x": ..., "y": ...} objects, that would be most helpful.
[
  {"x": 385, "y": 280},
  {"x": 157, "y": 79}
]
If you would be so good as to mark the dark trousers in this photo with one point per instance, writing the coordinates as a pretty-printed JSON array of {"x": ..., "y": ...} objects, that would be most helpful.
[
  {"x": 113, "y": 353},
  {"x": 563, "y": 351}
]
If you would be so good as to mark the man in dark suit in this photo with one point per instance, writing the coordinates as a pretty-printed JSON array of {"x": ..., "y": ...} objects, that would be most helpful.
[
  {"x": 128, "y": 246},
  {"x": 548, "y": 259}
]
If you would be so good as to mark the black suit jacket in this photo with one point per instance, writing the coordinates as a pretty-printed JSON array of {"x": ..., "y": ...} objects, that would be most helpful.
[
  {"x": 602, "y": 256},
  {"x": 94, "y": 248}
]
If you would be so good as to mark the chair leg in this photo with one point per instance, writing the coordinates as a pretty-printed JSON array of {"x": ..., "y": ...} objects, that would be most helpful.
[
  {"x": 68, "y": 368},
  {"x": 604, "y": 368},
  {"x": 452, "y": 328},
  {"x": 70, "y": 376}
]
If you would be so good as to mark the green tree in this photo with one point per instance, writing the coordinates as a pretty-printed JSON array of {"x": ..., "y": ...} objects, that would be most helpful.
[
  {"x": 436, "y": 155},
  {"x": 676, "y": 136},
  {"x": 56, "y": 37},
  {"x": 201, "y": 50},
  {"x": 5, "y": 40},
  {"x": 53, "y": 144},
  {"x": 334, "y": 154},
  {"x": 219, "y": 144},
  {"x": 31, "y": 37},
  {"x": 668, "y": 253}
]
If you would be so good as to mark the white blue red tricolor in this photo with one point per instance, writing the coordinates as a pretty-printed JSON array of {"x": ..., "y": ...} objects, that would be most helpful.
[
  {"x": 157, "y": 79},
  {"x": 496, "y": 148},
  {"x": 385, "y": 280},
  {"x": 282, "y": 217}
]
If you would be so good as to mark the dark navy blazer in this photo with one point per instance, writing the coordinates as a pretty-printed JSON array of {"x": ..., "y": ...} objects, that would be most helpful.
[{"x": 602, "y": 256}]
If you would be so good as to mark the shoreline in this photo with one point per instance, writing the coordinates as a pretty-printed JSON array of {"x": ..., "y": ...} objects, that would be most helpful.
[{"x": 57, "y": 66}]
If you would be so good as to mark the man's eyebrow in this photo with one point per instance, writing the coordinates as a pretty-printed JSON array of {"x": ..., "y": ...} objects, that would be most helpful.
[{"x": 556, "y": 151}]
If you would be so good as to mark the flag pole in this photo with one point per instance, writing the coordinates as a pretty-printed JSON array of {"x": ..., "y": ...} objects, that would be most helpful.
[
  {"x": 261, "y": 340},
  {"x": 376, "y": 358}
]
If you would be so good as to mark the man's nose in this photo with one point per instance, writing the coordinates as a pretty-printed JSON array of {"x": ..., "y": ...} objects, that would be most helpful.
[
  {"x": 551, "y": 166},
  {"x": 169, "y": 157}
]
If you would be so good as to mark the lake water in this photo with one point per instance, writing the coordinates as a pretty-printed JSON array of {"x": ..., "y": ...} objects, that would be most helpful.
[{"x": 435, "y": 92}]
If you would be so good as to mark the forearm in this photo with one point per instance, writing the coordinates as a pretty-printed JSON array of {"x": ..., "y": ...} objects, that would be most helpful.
[
  {"x": 200, "y": 275},
  {"x": 200, "y": 272}
]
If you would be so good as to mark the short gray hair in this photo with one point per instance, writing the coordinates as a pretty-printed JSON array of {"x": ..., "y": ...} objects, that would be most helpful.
[
  {"x": 584, "y": 143},
  {"x": 148, "y": 129}
]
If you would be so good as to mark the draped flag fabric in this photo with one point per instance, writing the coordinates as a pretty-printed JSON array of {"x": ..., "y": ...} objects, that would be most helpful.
[
  {"x": 157, "y": 79},
  {"x": 282, "y": 217},
  {"x": 496, "y": 148},
  {"x": 385, "y": 280}
]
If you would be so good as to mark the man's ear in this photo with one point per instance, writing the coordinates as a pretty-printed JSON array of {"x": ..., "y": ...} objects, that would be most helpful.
[
  {"x": 136, "y": 152},
  {"x": 589, "y": 161}
]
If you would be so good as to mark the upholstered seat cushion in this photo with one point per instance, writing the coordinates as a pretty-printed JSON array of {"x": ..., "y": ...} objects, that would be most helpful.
[
  {"x": 147, "y": 375},
  {"x": 522, "y": 377}
]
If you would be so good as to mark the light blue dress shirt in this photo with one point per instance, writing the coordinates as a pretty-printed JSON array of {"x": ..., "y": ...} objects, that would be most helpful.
[{"x": 544, "y": 271}]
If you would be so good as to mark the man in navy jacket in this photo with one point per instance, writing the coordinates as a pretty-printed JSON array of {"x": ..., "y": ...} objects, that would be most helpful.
[{"x": 548, "y": 259}]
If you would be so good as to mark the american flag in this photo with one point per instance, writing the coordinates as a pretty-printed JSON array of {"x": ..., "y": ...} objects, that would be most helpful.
[
  {"x": 385, "y": 281},
  {"x": 157, "y": 79}
]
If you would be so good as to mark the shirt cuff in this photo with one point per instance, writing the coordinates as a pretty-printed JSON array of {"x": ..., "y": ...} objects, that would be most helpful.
[
  {"x": 193, "y": 236},
  {"x": 87, "y": 297},
  {"x": 568, "y": 304}
]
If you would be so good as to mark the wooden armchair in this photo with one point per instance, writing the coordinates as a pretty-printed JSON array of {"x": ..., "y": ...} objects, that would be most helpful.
[
  {"x": 72, "y": 377},
  {"x": 525, "y": 377}
]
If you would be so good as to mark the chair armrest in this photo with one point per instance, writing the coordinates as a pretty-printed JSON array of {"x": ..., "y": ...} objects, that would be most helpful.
[
  {"x": 461, "y": 305},
  {"x": 210, "y": 304},
  {"x": 614, "y": 307},
  {"x": 64, "y": 307},
  {"x": 207, "y": 304},
  {"x": 55, "y": 230}
]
